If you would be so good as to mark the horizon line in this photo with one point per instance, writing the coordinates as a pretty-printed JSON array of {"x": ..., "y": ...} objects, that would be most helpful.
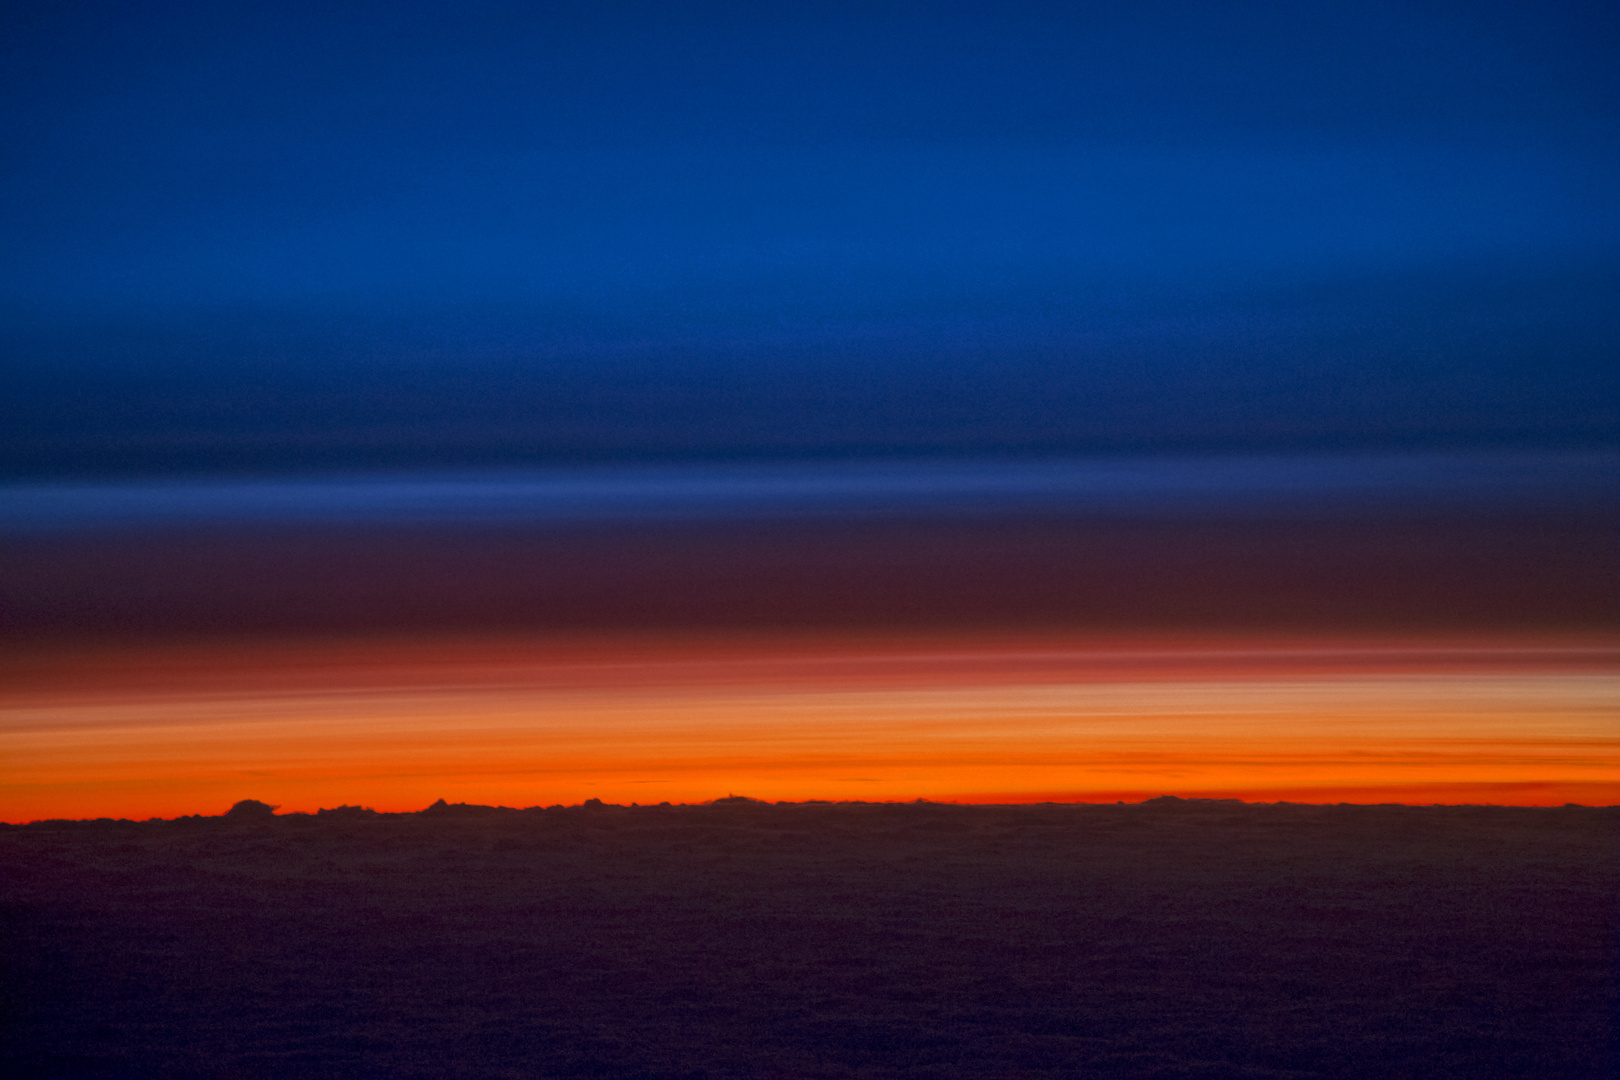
[{"x": 251, "y": 810}]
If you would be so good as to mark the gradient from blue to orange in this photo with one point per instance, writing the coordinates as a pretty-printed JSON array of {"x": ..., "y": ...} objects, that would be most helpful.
[
  {"x": 1429, "y": 628},
  {"x": 395, "y": 724},
  {"x": 685, "y": 334}
]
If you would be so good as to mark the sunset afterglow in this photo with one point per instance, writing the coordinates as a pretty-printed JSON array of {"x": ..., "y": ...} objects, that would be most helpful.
[
  {"x": 623, "y": 540},
  {"x": 396, "y": 724}
]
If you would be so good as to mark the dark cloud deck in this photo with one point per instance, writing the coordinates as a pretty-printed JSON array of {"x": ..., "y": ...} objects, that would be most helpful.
[{"x": 1167, "y": 939}]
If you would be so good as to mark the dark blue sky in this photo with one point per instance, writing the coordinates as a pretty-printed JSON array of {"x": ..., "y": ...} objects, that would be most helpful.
[{"x": 238, "y": 237}]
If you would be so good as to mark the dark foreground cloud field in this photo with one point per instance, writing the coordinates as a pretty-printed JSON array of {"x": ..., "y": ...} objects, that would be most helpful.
[{"x": 738, "y": 939}]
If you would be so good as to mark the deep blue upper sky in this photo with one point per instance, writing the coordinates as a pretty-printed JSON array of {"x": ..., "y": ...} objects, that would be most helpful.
[{"x": 282, "y": 237}]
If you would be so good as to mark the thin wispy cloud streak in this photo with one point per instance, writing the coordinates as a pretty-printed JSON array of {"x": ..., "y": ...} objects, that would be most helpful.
[{"x": 1347, "y": 484}]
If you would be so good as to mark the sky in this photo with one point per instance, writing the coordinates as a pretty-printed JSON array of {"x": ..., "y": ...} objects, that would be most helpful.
[
  {"x": 288, "y": 238},
  {"x": 530, "y": 402},
  {"x": 499, "y": 720}
]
